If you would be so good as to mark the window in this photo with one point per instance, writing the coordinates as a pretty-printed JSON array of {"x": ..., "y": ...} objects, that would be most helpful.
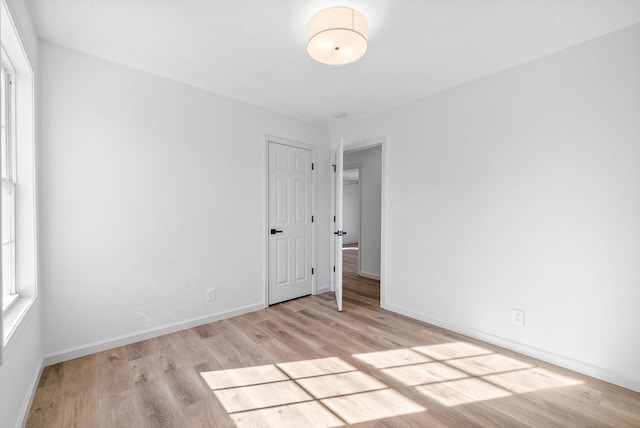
[
  {"x": 18, "y": 202},
  {"x": 7, "y": 158}
]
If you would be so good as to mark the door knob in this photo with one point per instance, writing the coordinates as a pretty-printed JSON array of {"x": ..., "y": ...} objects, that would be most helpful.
[{"x": 274, "y": 231}]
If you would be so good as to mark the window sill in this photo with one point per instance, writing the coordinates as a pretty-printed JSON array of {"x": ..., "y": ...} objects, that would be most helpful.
[
  {"x": 13, "y": 319},
  {"x": 8, "y": 301}
]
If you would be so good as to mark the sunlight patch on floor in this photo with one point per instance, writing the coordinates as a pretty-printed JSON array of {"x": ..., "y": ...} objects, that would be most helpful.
[
  {"x": 310, "y": 414},
  {"x": 392, "y": 358},
  {"x": 462, "y": 373},
  {"x": 340, "y": 384},
  {"x": 446, "y": 351},
  {"x": 463, "y": 391},
  {"x": 243, "y": 377},
  {"x": 420, "y": 374},
  {"x": 318, "y": 367},
  {"x": 488, "y": 364},
  {"x": 259, "y": 396},
  {"x": 370, "y": 406},
  {"x": 536, "y": 379},
  {"x": 331, "y": 392},
  {"x": 311, "y": 393}
]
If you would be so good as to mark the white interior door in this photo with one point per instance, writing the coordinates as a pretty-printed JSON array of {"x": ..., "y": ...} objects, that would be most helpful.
[
  {"x": 290, "y": 222},
  {"x": 338, "y": 232}
]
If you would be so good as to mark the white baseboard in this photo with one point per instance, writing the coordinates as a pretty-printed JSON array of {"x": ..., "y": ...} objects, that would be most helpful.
[
  {"x": 26, "y": 404},
  {"x": 369, "y": 275},
  {"x": 550, "y": 357},
  {"x": 324, "y": 289},
  {"x": 92, "y": 348}
]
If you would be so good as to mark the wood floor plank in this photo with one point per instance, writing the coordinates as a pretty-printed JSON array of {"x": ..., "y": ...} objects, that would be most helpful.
[
  {"x": 44, "y": 409},
  {"x": 139, "y": 349},
  {"x": 153, "y": 400},
  {"x": 250, "y": 325},
  {"x": 51, "y": 374},
  {"x": 302, "y": 363},
  {"x": 119, "y": 411},
  {"x": 113, "y": 373},
  {"x": 224, "y": 352},
  {"x": 291, "y": 339},
  {"x": 251, "y": 352},
  {"x": 77, "y": 403}
]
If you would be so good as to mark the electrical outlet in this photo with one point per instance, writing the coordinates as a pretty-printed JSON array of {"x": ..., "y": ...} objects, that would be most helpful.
[
  {"x": 211, "y": 294},
  {"x": 517, "y": 317}
]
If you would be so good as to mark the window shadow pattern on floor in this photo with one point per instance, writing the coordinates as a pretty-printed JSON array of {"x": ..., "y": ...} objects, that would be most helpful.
[{"x": 330, "y": 392}]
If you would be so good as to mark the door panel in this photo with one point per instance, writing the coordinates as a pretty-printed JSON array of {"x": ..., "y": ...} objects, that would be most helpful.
[
  {"x": 301, "y": 201},
  {"x": 302, "y": 270},
  {"x": 338, "y": 224},
  {"x": 282, "y": 261},
  {"x": 289, "y": 222},
  {"x": 282, "y": 161},
  {"x": 282, "y": 200}
]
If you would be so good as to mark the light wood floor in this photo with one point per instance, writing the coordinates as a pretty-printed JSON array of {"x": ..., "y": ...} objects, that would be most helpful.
[{"x": 302, "y": 364}]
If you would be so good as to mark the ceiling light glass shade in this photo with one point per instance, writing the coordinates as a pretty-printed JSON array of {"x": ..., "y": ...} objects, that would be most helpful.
[{"x": 337, "y": 35}]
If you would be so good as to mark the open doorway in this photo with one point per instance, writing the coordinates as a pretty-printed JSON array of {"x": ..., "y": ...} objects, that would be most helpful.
[
  {"x": 362, "y": 208},
  {"x": 351, "y": 221}
]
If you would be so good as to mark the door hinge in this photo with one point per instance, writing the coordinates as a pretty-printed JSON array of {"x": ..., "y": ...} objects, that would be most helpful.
[
  {"x": 334, "y": 268},
  {"x": 334, "y": 219},
  {"x": 313, "y": 166},
  {"x": 311, "y": 219},
  {"x": 334, "y": 167},
  {"x": 312, "y": 271}
]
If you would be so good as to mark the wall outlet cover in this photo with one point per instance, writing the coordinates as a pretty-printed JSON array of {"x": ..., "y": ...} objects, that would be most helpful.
[{"x": 517, "y": 317}]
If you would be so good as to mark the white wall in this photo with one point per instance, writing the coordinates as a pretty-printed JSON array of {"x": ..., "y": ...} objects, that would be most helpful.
[
  {"x": 153, "y": 191},
  {"x": 351, "y": 213},
  {"x": 522, "y": 190},
  {"x": 20, "y": 372},
  {"x": 21, "y": 366},
  {"x": 370, "y": 162}
]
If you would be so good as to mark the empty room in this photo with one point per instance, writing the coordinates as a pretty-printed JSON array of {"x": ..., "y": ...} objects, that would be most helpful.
[{"x": 314, "y": 213}]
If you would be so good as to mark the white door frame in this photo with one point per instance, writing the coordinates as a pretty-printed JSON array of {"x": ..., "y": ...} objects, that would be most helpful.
[
  {"x": 363, "y": 145},
  {"x": 278, "y": 140},
  {"x": 338, "y": 168}
]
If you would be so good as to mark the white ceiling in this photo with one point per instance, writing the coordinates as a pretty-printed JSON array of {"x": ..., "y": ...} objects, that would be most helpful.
[{"x": 254, "y": 50}]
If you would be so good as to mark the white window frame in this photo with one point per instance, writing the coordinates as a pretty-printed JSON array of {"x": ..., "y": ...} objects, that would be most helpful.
[
  {"x": 8, "y": 152},
  {"x": 23, "y": 182}
]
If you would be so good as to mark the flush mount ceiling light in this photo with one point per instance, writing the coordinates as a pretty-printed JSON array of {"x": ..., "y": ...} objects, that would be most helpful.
[{"x": 337, "y": 35}]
